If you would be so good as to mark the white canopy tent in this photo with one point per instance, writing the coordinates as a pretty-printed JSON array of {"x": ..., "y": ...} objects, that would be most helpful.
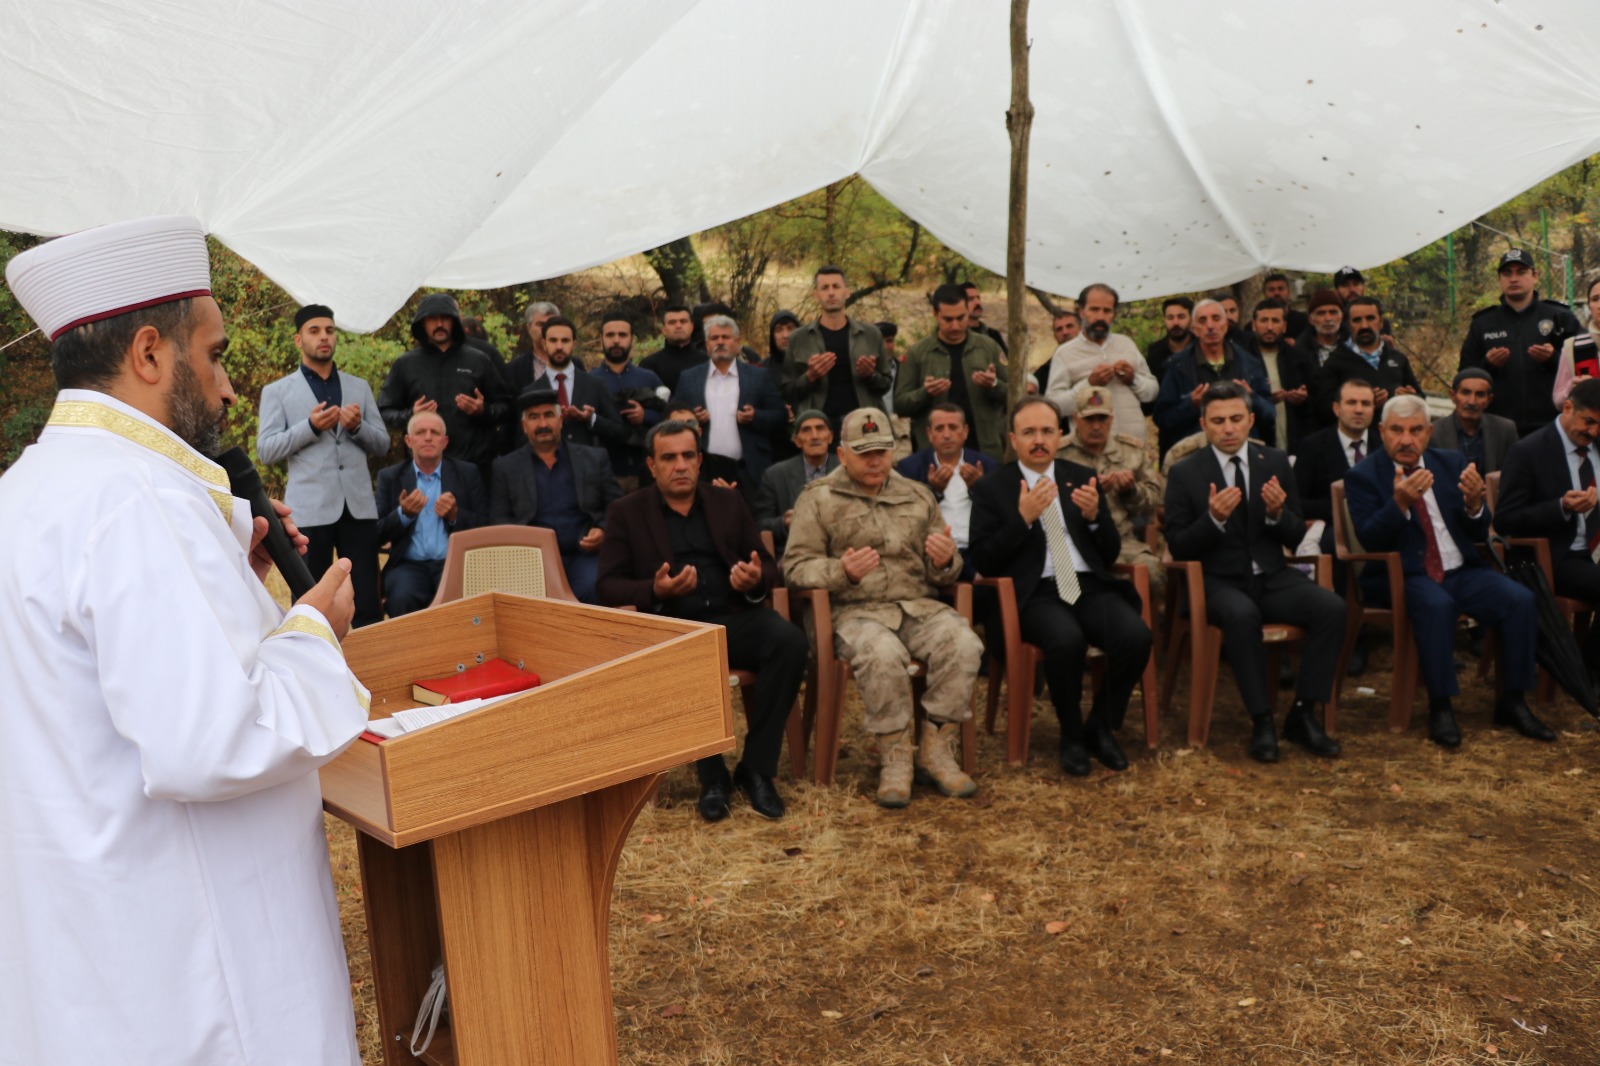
[{"x": 355, "y": 149}]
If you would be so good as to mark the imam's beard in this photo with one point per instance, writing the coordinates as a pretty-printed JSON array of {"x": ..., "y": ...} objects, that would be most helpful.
[
  {"x": 1097, "y": 331},
  {"x": 1366, "y": 337},
  {"x": 188, "y": 415}
]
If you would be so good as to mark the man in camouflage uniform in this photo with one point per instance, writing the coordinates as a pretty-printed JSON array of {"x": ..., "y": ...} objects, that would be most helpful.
[
  {"x": 1132, "y": 488},
  {"x": 877, "y": 543}
]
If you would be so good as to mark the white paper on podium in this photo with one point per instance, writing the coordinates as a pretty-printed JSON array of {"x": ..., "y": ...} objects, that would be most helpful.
[{"x": 422, "y": 717}]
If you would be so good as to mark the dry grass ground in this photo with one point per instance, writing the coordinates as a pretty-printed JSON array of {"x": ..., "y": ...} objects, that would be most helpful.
[{"x": 1400, "y": 905}]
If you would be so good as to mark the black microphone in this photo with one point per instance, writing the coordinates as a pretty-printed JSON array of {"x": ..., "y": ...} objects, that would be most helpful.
[{"x": 246, "y": 485}]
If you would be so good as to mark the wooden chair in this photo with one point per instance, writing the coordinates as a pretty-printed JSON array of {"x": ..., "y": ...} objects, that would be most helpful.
[
  {"x": 1203, "y": 642},
  {"x": 1580, "y": 613},
  {"x": 520, "y": 559},
  {"x": 1358, "y": 612},
  {"x": 1022, "y": 661},
  {"x": 830, "y": 675}
]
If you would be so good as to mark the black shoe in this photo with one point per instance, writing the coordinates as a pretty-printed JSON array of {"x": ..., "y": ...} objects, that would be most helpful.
[
  {"x": 1302, "y": 727},
  {"x": 713, "y": 805},
  {"x": 1103, "y": 746},
  {"x": 1515, "y": 714},
  {"x": 1263, "y": 739},
  {"x": 1358, "y": 660},
  {"x": 760, "y": 791},
  {"x": 1442, "y": 728},
  {"x": 1074, "y": 759}
]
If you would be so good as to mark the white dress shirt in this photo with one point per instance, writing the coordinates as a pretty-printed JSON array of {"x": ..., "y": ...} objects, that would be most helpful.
[
  {"x": 1580, "y": 543},
  {"x": 1225, "y": 461},
  {"x": 722, "y": 403},
  {"x": 956, "y": 504},
  {"x": 1032, "y": 478}
]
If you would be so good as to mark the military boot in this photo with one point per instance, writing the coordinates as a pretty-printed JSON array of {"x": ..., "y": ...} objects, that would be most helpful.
[
  {"x": 939, "y": 764},
  {"x": 894, "y": 776}
]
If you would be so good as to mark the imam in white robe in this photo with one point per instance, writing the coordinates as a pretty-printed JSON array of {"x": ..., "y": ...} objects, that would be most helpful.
[{"x": 165, "y": 896}]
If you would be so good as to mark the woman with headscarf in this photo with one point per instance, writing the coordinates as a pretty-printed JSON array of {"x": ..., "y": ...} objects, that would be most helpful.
[
  {"x": 779, "y": 328},
  {"x": 1580, "y": 355}
]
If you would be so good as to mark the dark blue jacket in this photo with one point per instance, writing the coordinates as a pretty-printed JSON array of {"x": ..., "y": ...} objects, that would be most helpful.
[
  {"x": 916, "y": 465},
  {"x": 756, "y": 389},
  {"x": 1381, "y": 526},
  {"x": 1176, "y": 414}
]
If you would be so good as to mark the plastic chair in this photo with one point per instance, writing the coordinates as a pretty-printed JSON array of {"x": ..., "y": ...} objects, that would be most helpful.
[
  {"x": 1403, "y": 671},
  {"x": 825, "y": 687},
  {"x": 1580, "y": 613},
  {"x": 525, "y": 560},
  {"x": 1022, "y": 661},
  {"x": 1204, "y": 644}
]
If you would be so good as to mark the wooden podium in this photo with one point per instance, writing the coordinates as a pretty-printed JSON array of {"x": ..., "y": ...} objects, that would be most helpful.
[{"x": 491, "y": 840}]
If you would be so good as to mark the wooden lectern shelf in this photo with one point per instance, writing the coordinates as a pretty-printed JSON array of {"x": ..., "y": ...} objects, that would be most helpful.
[{"x": 491, "y": 840}]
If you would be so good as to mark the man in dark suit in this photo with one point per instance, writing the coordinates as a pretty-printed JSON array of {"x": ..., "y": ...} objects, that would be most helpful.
[
  {"x": 1321, "y": 459},
  {"x": 589, "y": 414},
  {"x": 420, "y": 503},
  {"x": 1044, "y": 523},
  {"x": 950, "y": 469},
  {"x": 782, "y": 483},
  {"x": 562, "y": 486},
  {"x": 1548, "y": 490},
  {"x": 1429, "y": 506},
  {"x": 693, "y": 551},
  {"x": 1483, "y": 439},
  {"x": 737, "y": 404},
  {"x": 1234, "y": 504}
]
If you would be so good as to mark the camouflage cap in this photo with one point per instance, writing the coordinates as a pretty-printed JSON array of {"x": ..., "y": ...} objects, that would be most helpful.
[
  {"x": 1093, "y": 400},
  {"x": 866, "y": 429}
]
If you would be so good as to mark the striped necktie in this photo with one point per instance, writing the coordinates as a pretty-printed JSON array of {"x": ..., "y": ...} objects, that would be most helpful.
[{"x": 1055, "y": 538}]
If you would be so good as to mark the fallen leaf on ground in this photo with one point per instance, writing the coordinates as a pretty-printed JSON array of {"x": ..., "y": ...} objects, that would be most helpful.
[
  {"x": 1296, "y": 879},
  {"x": 1404, "y": 941},
  {"x": 792, "y": 852},
  {"x": 1557, "y": 957},
  {"x": 1510, "y": 997},
  {"x": 987, "y": 897},
  {"x": 650, "y": 919},
  {"x": 672, "y": 1011},
  {"x": 1179, "y": 932},
  {"x": 1547, "y": 934},
  {"x": 1180, "y": 753},
  {"x": 1198, "y": 802},
  {"x": 1356, "y": 954},
  {"x": 1053, "y": 928},
  {"x": 1519, "y": 923},
  {"x": 925, "y": 971},
  {"x": 1575, "y": 771},
  {"x": 1396, "y": 789},
  {"x": 1248, "y": 1001},
  {"x": 1491, "y": 1049},
  {"x": 832, "y": 1014}
]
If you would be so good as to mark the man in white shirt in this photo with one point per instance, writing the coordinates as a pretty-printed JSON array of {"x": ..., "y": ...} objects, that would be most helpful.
[
  {"x": 167, "y": 892},
  {"x": 949, "y": 468},
  {"x": 1100, "y": 357}
]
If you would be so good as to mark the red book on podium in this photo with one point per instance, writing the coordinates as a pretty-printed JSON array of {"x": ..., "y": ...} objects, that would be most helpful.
[{"x": 493, "y": 677}]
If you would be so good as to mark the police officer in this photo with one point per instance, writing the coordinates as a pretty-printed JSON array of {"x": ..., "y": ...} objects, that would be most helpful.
[
  {"x": 1131, "y": 486},
  {"x": 1516, "y": 341}
]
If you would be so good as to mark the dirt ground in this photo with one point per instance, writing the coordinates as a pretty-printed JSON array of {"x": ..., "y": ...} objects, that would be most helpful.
[{"x": 1400, "y": 905}]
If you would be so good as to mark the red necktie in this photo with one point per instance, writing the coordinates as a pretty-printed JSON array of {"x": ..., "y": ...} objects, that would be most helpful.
[
  {"x": 1355, "y": 448},
  {"x": 561, "y": 390},
  {"x": 1432, "y": 561}
]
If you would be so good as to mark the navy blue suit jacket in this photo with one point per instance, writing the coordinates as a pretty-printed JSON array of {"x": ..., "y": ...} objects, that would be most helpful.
[
  {"x": 1383, "y": 527},
  {"x": 455, "y": 476},
  {"x": 756, "y": 389},
  {"x": 916, "y": 465},
  {"x": 1532, "y": 482}
]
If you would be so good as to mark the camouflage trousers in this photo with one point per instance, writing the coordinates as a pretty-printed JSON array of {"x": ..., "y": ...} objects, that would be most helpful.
[{"x": 880, "y": 656}]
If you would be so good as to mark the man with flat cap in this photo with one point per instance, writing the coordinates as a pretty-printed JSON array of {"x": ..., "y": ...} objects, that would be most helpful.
[
  {"x": 324, "y": 423},
  {"x": 783, "y": 481},
  {"x": 167, "y": 891},
  {"x": 1483, "y": 439},
  {"x": 559, "y": 484}
]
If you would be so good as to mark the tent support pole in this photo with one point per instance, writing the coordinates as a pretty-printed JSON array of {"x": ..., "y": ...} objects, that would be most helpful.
[{"x": 1019, "y": 121}]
